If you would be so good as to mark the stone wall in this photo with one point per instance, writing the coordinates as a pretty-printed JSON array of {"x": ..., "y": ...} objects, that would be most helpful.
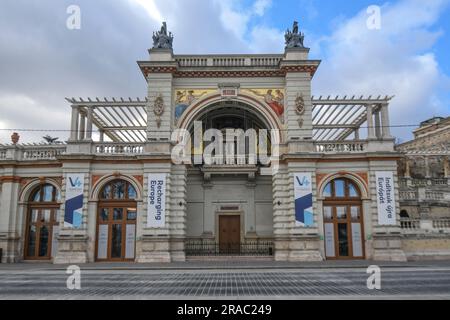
[{"x": 427, "y": 247}]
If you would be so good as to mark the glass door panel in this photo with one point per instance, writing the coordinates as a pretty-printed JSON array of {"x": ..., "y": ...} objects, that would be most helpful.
[
  {"x": 116, "y": 241},
  {"x": 31, "y": 245},
  {"x": 343, "y": 240},
  {"x": 43, "y": 241}
]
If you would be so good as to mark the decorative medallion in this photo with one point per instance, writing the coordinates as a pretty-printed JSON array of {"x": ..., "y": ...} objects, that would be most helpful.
[
  {"x": 158, "y": 108},
  {"x": 300, "y": 108}
]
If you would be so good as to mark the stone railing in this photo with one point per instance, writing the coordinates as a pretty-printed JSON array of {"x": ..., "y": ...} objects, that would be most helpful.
[
  {"x": 409, "y": 195},
  {"x": 265, "y": 62},
  {"x": 32, "y": 152},
  {"x": 42, "y": 153},
  {"x": 111, "y": 148},
  {"x": 341, "y": 146},
  {"x": 193, "y": 62},
  {"x": 425, "y": 182},
  {"x": 410, "y": 224},
  {"x": 229, "y": 61},
  {"x": 441, "y": 224},
  {"x": 230, "y": 160},
  {"x": 433, "y": 195},
  {"x": 418, "y": 226}
]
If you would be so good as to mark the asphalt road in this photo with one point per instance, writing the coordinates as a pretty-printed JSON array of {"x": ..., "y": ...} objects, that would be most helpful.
[{"x": 333, "y": 282}]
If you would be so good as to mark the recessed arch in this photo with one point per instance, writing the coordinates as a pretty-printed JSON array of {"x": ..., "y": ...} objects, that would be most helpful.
[
  {"x": 258, "y": 108},
  {"x": 31, "y": 186}
]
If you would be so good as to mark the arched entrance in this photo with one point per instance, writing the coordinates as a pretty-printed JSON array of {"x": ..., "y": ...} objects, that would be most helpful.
[
  {"x": 116, "y": 222},
  {"x": 229, "y": 201},
  {"x": 343, "y": 220},
  {"x": 42, "y": 224}
]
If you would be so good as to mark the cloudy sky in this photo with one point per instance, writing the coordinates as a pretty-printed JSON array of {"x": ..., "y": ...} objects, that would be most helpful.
[{"x": 42, "y": 61}]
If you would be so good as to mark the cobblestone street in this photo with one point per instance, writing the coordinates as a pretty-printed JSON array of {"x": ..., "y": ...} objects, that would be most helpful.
[{"x": 226, "y": 281}]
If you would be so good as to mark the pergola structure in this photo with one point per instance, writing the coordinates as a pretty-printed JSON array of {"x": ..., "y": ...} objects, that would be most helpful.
[
  {"x": 119, "y": 120},
  {"x": 336, "y": 119}
]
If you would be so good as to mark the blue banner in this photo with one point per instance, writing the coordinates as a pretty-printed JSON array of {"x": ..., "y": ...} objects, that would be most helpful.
[
  {"x": 304, "y": 215},
  {"x": 73, "y": 209}
]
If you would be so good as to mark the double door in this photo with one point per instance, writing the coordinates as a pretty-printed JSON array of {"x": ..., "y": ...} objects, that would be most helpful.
[
  {"x": 116, "y": 232},
  {"x": 344, "y": 234},
  {"x": 230, "y": 234},
  {"x": 41, "y": 234}
]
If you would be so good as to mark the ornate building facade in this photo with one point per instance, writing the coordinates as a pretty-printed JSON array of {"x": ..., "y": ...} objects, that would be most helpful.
[
  {"x": 424, "y": 173},
  {"x": 327, "y": 187}
]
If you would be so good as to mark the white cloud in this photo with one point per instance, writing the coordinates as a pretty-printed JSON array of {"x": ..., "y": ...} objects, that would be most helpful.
[
  {"x": 23, "y": 112},
  {"x": 151, "y": 8},
  {"x": 396, "y": 60},
  {"x": 260, "y": 7}
]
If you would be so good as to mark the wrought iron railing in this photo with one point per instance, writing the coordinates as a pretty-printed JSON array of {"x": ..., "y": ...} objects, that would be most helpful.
[{"x": 252, "y": 248}]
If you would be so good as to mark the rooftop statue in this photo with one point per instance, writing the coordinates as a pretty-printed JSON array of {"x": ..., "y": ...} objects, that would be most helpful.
[
  {"x": 162, "y": 39},
  {"x": 294, "y": 38}
]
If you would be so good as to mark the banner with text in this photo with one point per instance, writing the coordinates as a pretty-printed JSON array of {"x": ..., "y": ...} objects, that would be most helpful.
[
  {"x": 156, "y": 212},
  {"x": 304, "y": 215},
  {"x": 73, "y": 209},
  {"x": 386, "y": 198}
]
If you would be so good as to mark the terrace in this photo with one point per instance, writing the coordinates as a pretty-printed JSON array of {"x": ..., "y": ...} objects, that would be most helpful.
[{"x": 119, "y": 127}]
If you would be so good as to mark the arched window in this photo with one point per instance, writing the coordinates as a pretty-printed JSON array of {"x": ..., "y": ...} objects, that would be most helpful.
[
  {"x": 343, "y": 220},
  {"x": 118, "y": 190},
  {"x": 42, "y": 223},
  {"x": 116, "y": 222},
  {"x": 341, "y": 189}
]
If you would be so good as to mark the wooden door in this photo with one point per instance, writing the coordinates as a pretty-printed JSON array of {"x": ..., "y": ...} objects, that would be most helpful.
[
  {"x": 230, "y": 234},
  {"x": 40, "y": 224},
  {"x": 116, "y": 232}
]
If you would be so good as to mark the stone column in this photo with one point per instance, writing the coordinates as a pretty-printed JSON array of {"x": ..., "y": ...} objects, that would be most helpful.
[
  {"x": 102, "y": 135},
  {"x": 386, "y": 239},
  {"x": 74, "y": 124},
  {"x": 89, "y": 124},
  {"x": 427, "y": 168},
  {"x": 82, "y": 132},
  {"x": 178, "y": 204},
  {"x": 407, "y": 169},
  {"x": 370, "y": 128},
  {"x": 357, "y": 134},
  {"x": 385, "y": 121},
  {"x": 377, "y": 125},
  {"x": 73, "y": 244},
  {"x": 153, "y": 244},
  {"x": 9, "y": 237},
  {"x": 446, "y": 167}
]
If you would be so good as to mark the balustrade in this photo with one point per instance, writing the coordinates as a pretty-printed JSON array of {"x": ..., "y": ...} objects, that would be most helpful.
[{"x": 341, "y": 147}]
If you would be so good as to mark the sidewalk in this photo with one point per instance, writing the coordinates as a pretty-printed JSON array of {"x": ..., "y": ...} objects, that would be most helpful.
[{"x": 225, "y": 265}]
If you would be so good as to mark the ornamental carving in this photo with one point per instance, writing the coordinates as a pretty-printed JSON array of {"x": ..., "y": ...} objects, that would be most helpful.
[
  {"x": 294, "y": 38},
  {"x": 158, "y": 109},
  {"x": 300, "y": 108},
  {"x": 163, "y": 39}
]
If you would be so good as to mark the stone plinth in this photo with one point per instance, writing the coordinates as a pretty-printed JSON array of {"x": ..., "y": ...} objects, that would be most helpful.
[
  {"x": 153, "y": 250},
  {"x": 72, "y": 250}
]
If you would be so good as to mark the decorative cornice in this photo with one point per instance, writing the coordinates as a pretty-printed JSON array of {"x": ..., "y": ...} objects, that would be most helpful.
[
  {"x": 158, "y": 69},
  {"x": 311, "y": 69},
  {"x": 10, "y": 179}
]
